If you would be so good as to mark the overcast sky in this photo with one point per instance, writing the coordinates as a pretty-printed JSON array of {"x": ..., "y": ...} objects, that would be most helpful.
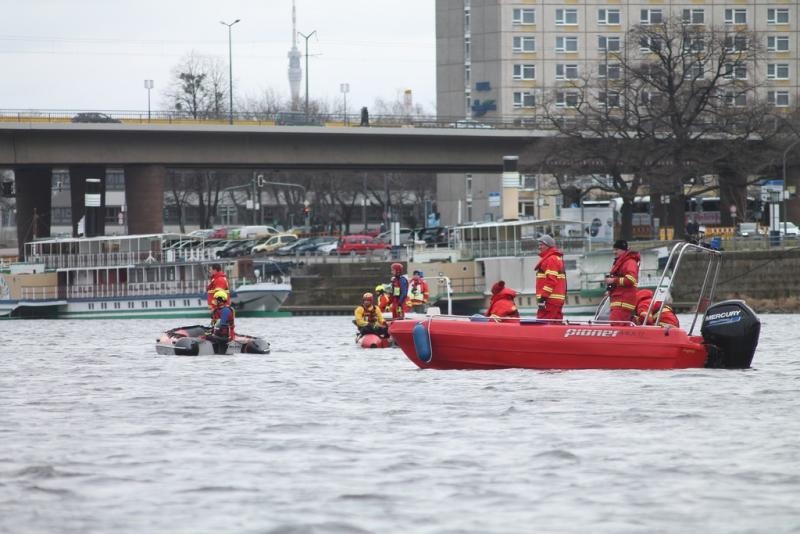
[{"x": 96, "y": 54}]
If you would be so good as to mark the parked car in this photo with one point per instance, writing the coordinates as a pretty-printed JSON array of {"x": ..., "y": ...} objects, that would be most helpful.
[
  {"x": 789, "y": 230},
  {"x": 406, "y": 236},
  {"x": 273, "y": 243},
  {"x": 328, "y": 247},
  {"x": 237, "y": 248},
  {"x": 305, "y": 245},
  {"x": 360, "y": 244},
  {"x": 93, "y": 117},
  {"x": 255, "y": 231},
  {"x": 433, "y": 236}
]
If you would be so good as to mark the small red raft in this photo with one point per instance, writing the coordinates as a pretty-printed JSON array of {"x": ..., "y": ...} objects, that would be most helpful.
[
  {"x": 373, "y": 341},
  {"x": 729, "y": 337}
]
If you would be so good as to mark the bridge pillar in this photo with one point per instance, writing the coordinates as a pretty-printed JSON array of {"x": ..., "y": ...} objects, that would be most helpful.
[
  {"x": 78, "y": 174},
  {"x": 144, "y": 195},
  {"x": 32, "y": 185}
]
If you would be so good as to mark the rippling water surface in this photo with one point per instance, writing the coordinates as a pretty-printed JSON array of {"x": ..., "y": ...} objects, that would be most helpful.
[{"x": 99, "y": 434}]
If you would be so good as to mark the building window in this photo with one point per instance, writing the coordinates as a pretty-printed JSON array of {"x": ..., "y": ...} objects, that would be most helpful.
[
  {"x": 737, "y": 71},
  {"x": 694, "y": 71},
  {"x": 651, "y": 98},
  {"x": 736, "y": 16},
  {"x": 608, "y": 44},
  {"x": 566, "y": 17},
  {"x": 694, "y": 44},
  {"x": 567, "y": 99},
  {"x": 778, "y": 71},
  {"x": 778, "y": 16},
  {"x": 524, "y": 72},
  {"x": 651, "y": 16},
  {"x": 736, "y": 43},
  {"x": 467, "y": 47},
  {"x": 524, "y": 43},
  {"x": 778, "y": 98},
  {"x": 524, "y": 99},
  {"x": 694, "y": 16},
  {"x": 467, "y": 74},
  {"x": 610, "y": 70},
  {"x": 524, "y": 16},
  {"x": 466, "y": 21},
  {"x": 115, "y": 180},
  {"x": 778, "y": 43},
  {"x": 566, "y": 71},
  {"x": 735, "y": 99},
  {"x": 649, "y": 44},
  {"x": 608, "y": 16},
  {"x": 566, "y": 44},
  {"x": 610, "y": 99}
]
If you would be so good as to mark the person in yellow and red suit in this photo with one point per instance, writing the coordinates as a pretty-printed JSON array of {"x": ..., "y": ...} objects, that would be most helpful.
[
  {"x": 399, "y": 294},
  {"x": 502, "y": 303},
  {"x": 218, "y": 281},
  {"x": 369, "y": 319},
  {"x": 418, "y": 293},
  {"x": 551, "y": 280},
  {"x": 223, "y": 322},
  {"x": 622, "y": 282},
  {"x": 384, "y": 301},
  {"x": 643, "y": 299}
]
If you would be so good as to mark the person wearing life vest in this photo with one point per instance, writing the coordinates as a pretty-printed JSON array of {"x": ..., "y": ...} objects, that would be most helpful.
[
  {"x": 622, "y": 281},
  {"x": 369, "y": 319},
  {"x": 643, "y": 299},
  {"x": 399, "y": 285},
  {"x": 218, "y": 281},
  {"x": 384, "y": 301},
  {"x": 551, "y": 280},
  {"x": 223, "y": 322},
  {"x": 502, "y": 303},
  {"x": 418, "y": 293}
]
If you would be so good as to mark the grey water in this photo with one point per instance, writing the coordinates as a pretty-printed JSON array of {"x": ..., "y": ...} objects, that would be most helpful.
[{"x": 100, "y": 434}]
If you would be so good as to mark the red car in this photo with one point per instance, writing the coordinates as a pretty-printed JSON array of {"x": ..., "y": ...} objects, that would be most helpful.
[{"x": 360, "y": 244}]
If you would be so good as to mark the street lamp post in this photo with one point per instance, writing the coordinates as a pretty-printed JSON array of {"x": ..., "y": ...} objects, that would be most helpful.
[
  {"x": 783, "y": 187},
  {"x": 345, "y": 88},
  {"x": 230, "y": 69},
  {"x": 148, "y": 84},
  {"x": 306, "y": 37}
]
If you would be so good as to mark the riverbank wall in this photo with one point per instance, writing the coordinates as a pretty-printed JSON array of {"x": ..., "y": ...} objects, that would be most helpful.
[{"x": 768, "y": 280}]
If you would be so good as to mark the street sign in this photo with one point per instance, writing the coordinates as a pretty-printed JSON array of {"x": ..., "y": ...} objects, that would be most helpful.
[{"x": 494, "y": 200}]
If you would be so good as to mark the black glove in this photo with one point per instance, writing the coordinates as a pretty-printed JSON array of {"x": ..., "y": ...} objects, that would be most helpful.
[{"x": 541, "y": 303}]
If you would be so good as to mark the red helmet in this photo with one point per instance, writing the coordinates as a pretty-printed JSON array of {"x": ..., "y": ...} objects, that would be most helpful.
[
  {"x": 397, "y": 268},
  {"x": 367, "y": 297}
]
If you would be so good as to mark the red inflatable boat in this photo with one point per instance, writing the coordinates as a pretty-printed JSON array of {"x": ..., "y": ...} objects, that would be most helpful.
[{"x": 729, "y": 336}]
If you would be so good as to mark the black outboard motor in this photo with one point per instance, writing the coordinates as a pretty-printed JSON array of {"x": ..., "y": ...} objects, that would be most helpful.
[
  {"x": 730, "y": 330},
  {"x": 256, "y": 345}
]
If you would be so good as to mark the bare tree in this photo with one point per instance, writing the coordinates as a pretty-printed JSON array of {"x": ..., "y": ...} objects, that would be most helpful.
[
  {"x": 199, "y": 86},
  {"x": 675, "y": 104}
]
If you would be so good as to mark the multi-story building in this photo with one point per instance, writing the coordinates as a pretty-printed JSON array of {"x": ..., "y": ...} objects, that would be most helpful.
[{"x": 503, "y": 60}]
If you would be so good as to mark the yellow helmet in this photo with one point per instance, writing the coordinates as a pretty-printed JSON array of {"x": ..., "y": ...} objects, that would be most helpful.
[
  {"x": 221, "y": 295},
  {"x": 380, "y": 289}
]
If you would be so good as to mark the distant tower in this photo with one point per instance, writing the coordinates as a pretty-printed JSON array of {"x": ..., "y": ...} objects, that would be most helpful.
[{"x": 295, "y": 72}]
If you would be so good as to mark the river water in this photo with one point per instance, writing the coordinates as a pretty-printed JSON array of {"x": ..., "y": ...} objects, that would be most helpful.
[{"x": 99, "y": 434}]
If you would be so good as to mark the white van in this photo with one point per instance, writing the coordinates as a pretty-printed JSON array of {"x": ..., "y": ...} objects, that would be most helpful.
[{"x": 252, "y": 232}]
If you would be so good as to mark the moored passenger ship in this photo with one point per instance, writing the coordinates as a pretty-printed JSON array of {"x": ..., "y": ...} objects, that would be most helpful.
[{"x": 137, "y": 276}]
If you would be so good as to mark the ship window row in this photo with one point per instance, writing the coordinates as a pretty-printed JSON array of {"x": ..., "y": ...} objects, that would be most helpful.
[
  {"x": 605, "y": 43},
  {"x": 649, "y": 16}
]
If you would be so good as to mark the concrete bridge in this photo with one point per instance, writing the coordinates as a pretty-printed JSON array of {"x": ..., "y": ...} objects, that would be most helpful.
[{"x": 146, "y": 152}]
